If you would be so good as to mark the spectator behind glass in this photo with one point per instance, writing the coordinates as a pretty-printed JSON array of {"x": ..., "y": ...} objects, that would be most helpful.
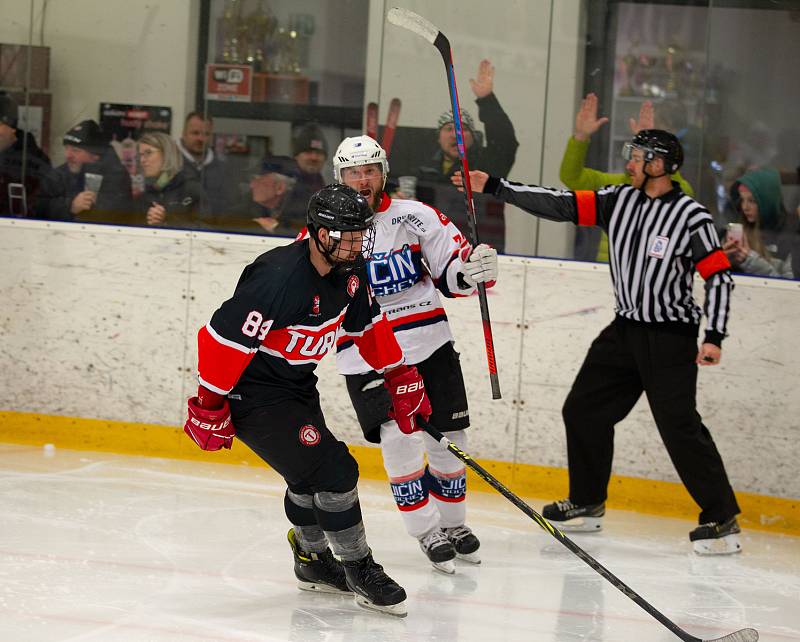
[
  {"x": 201, "y": 163},
  {"x": 764, "y": 248},
  {"x": 271, "y": 183},
  {"x": 310, "y": 151},
  {"x": 171, "y": 197},
  {"x": 495, "y": 153},
  {"x": 496, "y": 157},
  {"x": 87, "y": 151},
  {"x": 591, "y": 243},
  {"x": 37, "y": 195}
]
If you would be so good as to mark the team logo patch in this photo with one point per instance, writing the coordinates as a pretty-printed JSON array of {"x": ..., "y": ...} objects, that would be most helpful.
[
  {"x": 315, "y": 306},
  {"x": 309, "y": 435},
  {"x": 658, "y": 248},
  {"x": 352, "y": 285}
]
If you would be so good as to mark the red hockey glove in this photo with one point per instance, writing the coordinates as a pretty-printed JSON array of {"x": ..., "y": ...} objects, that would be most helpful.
[
  {"x": 408, "y": 397},
  {"x": 209, "y": 429}
]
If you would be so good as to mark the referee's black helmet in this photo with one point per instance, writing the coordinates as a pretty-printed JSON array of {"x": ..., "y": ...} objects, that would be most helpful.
[{"x": 657, "y": 142}]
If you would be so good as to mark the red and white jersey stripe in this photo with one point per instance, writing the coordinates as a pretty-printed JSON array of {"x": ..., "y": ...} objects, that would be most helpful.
[
  {"x": 263, "y": 344},
  {"x": 417, "y": 251}
]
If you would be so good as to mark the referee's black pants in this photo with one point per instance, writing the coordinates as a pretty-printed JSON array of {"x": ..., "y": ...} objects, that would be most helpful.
[{"x": 624, "y": 360}]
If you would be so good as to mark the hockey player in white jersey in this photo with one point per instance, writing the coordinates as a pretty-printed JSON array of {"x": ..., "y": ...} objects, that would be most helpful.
[{"x": 417, "y": 251}]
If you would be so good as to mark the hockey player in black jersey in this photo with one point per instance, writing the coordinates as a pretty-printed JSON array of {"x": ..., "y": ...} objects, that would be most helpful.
[
  {"x": 257, "y": 357},
  {"x": 658, "y": 238}
]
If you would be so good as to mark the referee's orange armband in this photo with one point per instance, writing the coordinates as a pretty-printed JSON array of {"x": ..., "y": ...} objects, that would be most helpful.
[{"x": 586, "y": 202}]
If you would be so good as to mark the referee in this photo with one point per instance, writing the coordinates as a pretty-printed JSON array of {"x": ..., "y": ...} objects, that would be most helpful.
[{"x": 658, "y": 238}]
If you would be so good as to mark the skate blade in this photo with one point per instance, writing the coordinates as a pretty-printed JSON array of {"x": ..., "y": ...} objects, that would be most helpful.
[
  {"x": 581, "y": 525},
  {"x": 320, "y": 587},
  {"x": 470, "y": 558},
  {"x": 727, "y": 545},
  {"x": 397, "y": 610},
  {"x": 448, "y": 567}
]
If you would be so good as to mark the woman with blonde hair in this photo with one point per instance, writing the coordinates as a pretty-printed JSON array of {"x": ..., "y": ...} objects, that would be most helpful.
[{"x": 171, "y": 197}]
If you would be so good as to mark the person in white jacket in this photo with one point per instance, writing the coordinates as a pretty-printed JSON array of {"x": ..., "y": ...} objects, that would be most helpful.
[{"x": 417, "y": 251}]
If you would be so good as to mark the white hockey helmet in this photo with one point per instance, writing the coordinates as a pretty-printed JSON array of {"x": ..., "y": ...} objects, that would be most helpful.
[{"x": 359, "y": 150}]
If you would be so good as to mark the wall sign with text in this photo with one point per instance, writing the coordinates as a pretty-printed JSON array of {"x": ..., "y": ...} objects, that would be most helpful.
[{"x": 229, "y": 82}]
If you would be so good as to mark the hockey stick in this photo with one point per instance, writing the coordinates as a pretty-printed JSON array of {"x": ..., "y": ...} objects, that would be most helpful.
[
  {"x": 742, "y": 635},
  {"x": 420, "y": 26},
  {"x": 391, "y": 125},
  {"x": 372, "y": 121}
]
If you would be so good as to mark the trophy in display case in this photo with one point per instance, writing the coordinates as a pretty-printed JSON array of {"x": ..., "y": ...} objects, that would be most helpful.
[
  {"x": 261, "y": 25},
  {"x": 276, "y": 53},
  {"x": 229, "y": 28}
]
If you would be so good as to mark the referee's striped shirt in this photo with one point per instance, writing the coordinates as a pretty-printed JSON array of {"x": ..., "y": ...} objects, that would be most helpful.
[{"x": 655, "y": 246}]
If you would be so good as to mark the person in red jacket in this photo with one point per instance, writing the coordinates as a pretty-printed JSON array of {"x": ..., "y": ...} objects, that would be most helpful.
[{"x": 257, "y": 358}]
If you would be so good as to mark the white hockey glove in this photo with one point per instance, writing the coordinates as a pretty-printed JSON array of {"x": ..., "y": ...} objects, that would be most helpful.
[{"x": 481, "y": 266}]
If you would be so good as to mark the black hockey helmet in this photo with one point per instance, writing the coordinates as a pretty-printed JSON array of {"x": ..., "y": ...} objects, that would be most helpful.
[
  {"x": 340, "y": 208},
  {"x": 657, "y": 142}
]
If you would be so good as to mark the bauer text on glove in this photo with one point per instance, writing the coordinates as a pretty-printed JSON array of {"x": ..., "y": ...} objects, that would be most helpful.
[
  {"x": 209, "y": 429},
  {"x": 408, "y": 397}
]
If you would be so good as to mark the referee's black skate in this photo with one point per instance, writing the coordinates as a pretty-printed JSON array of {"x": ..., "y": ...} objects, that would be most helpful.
[
  {"x": 317, "y": 571},
  {"x": 373, "y": 588},
  {"x": 466, "y": 544},
  {"x": 439, "y": 550},
  {"x": 571, "y": 517},
  {"x": 717, "y": 538}
]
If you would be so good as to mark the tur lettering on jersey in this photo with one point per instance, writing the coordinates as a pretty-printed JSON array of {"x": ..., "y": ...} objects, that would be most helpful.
[
  {"x": 302, "y": 344},
  {"x": 282, "y": 319}
]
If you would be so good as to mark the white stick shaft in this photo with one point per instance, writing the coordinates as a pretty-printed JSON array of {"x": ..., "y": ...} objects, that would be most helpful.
[{"x": 413, "y": 22}]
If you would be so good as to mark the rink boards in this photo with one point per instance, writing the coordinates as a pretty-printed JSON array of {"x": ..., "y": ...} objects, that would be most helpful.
[{"x": 98, "y": 351}]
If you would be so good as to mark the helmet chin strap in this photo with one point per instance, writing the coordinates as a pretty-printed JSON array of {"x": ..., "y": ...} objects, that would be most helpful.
[
  {"x": 339, "y": 267},
  {"x": 647, "y": 176}
]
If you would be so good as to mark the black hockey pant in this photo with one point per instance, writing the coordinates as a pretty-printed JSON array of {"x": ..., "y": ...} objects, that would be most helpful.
[
  {"x": 625, "y": 360},
  {"x": 319, "y": 470}
]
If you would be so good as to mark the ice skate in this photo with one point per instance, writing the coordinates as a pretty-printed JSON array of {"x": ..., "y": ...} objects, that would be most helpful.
[
  {"x": 466, "y": 544},
  {"x": 717, "y": 539},
  {"x": 439, "y": 550},
  {"x": 374, "y": 590},
  {"x": 570, "y": 517},
  {"x": 317, "y": 571}
]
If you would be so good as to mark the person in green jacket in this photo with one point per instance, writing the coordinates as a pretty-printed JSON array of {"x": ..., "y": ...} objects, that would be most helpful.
[
  {"x": 576, "y": 176},
  {"x": 763, "y": 245}
]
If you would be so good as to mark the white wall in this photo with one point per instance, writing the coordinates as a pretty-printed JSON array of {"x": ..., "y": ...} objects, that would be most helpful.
[
  {"x": 101, "y": 322},
  {"x": 110, "y": 51}
]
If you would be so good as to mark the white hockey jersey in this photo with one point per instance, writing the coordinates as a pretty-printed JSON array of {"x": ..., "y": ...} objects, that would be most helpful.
[{"x": 417, "y": 250}]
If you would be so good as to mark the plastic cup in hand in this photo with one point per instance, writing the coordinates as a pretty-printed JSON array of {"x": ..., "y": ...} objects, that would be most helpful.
[
  {"x": 407, "y": 185},
  {"x": 92, "y": 182}
]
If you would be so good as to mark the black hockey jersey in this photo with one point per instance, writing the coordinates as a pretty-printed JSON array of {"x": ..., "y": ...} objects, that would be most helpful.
[{"x": 263, "y": 344}]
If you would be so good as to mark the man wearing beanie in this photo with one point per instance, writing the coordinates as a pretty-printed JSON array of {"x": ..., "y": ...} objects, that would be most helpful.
[
  {"x": 87, "y": 153},
  {"x": 496, "y": 150},
  {"x": 28, "y": 184},
  {"x": 310, "y": 151}
]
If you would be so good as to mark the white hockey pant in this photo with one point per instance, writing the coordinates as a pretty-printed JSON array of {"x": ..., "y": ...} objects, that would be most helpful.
[{"x": 428, "y": 497}]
